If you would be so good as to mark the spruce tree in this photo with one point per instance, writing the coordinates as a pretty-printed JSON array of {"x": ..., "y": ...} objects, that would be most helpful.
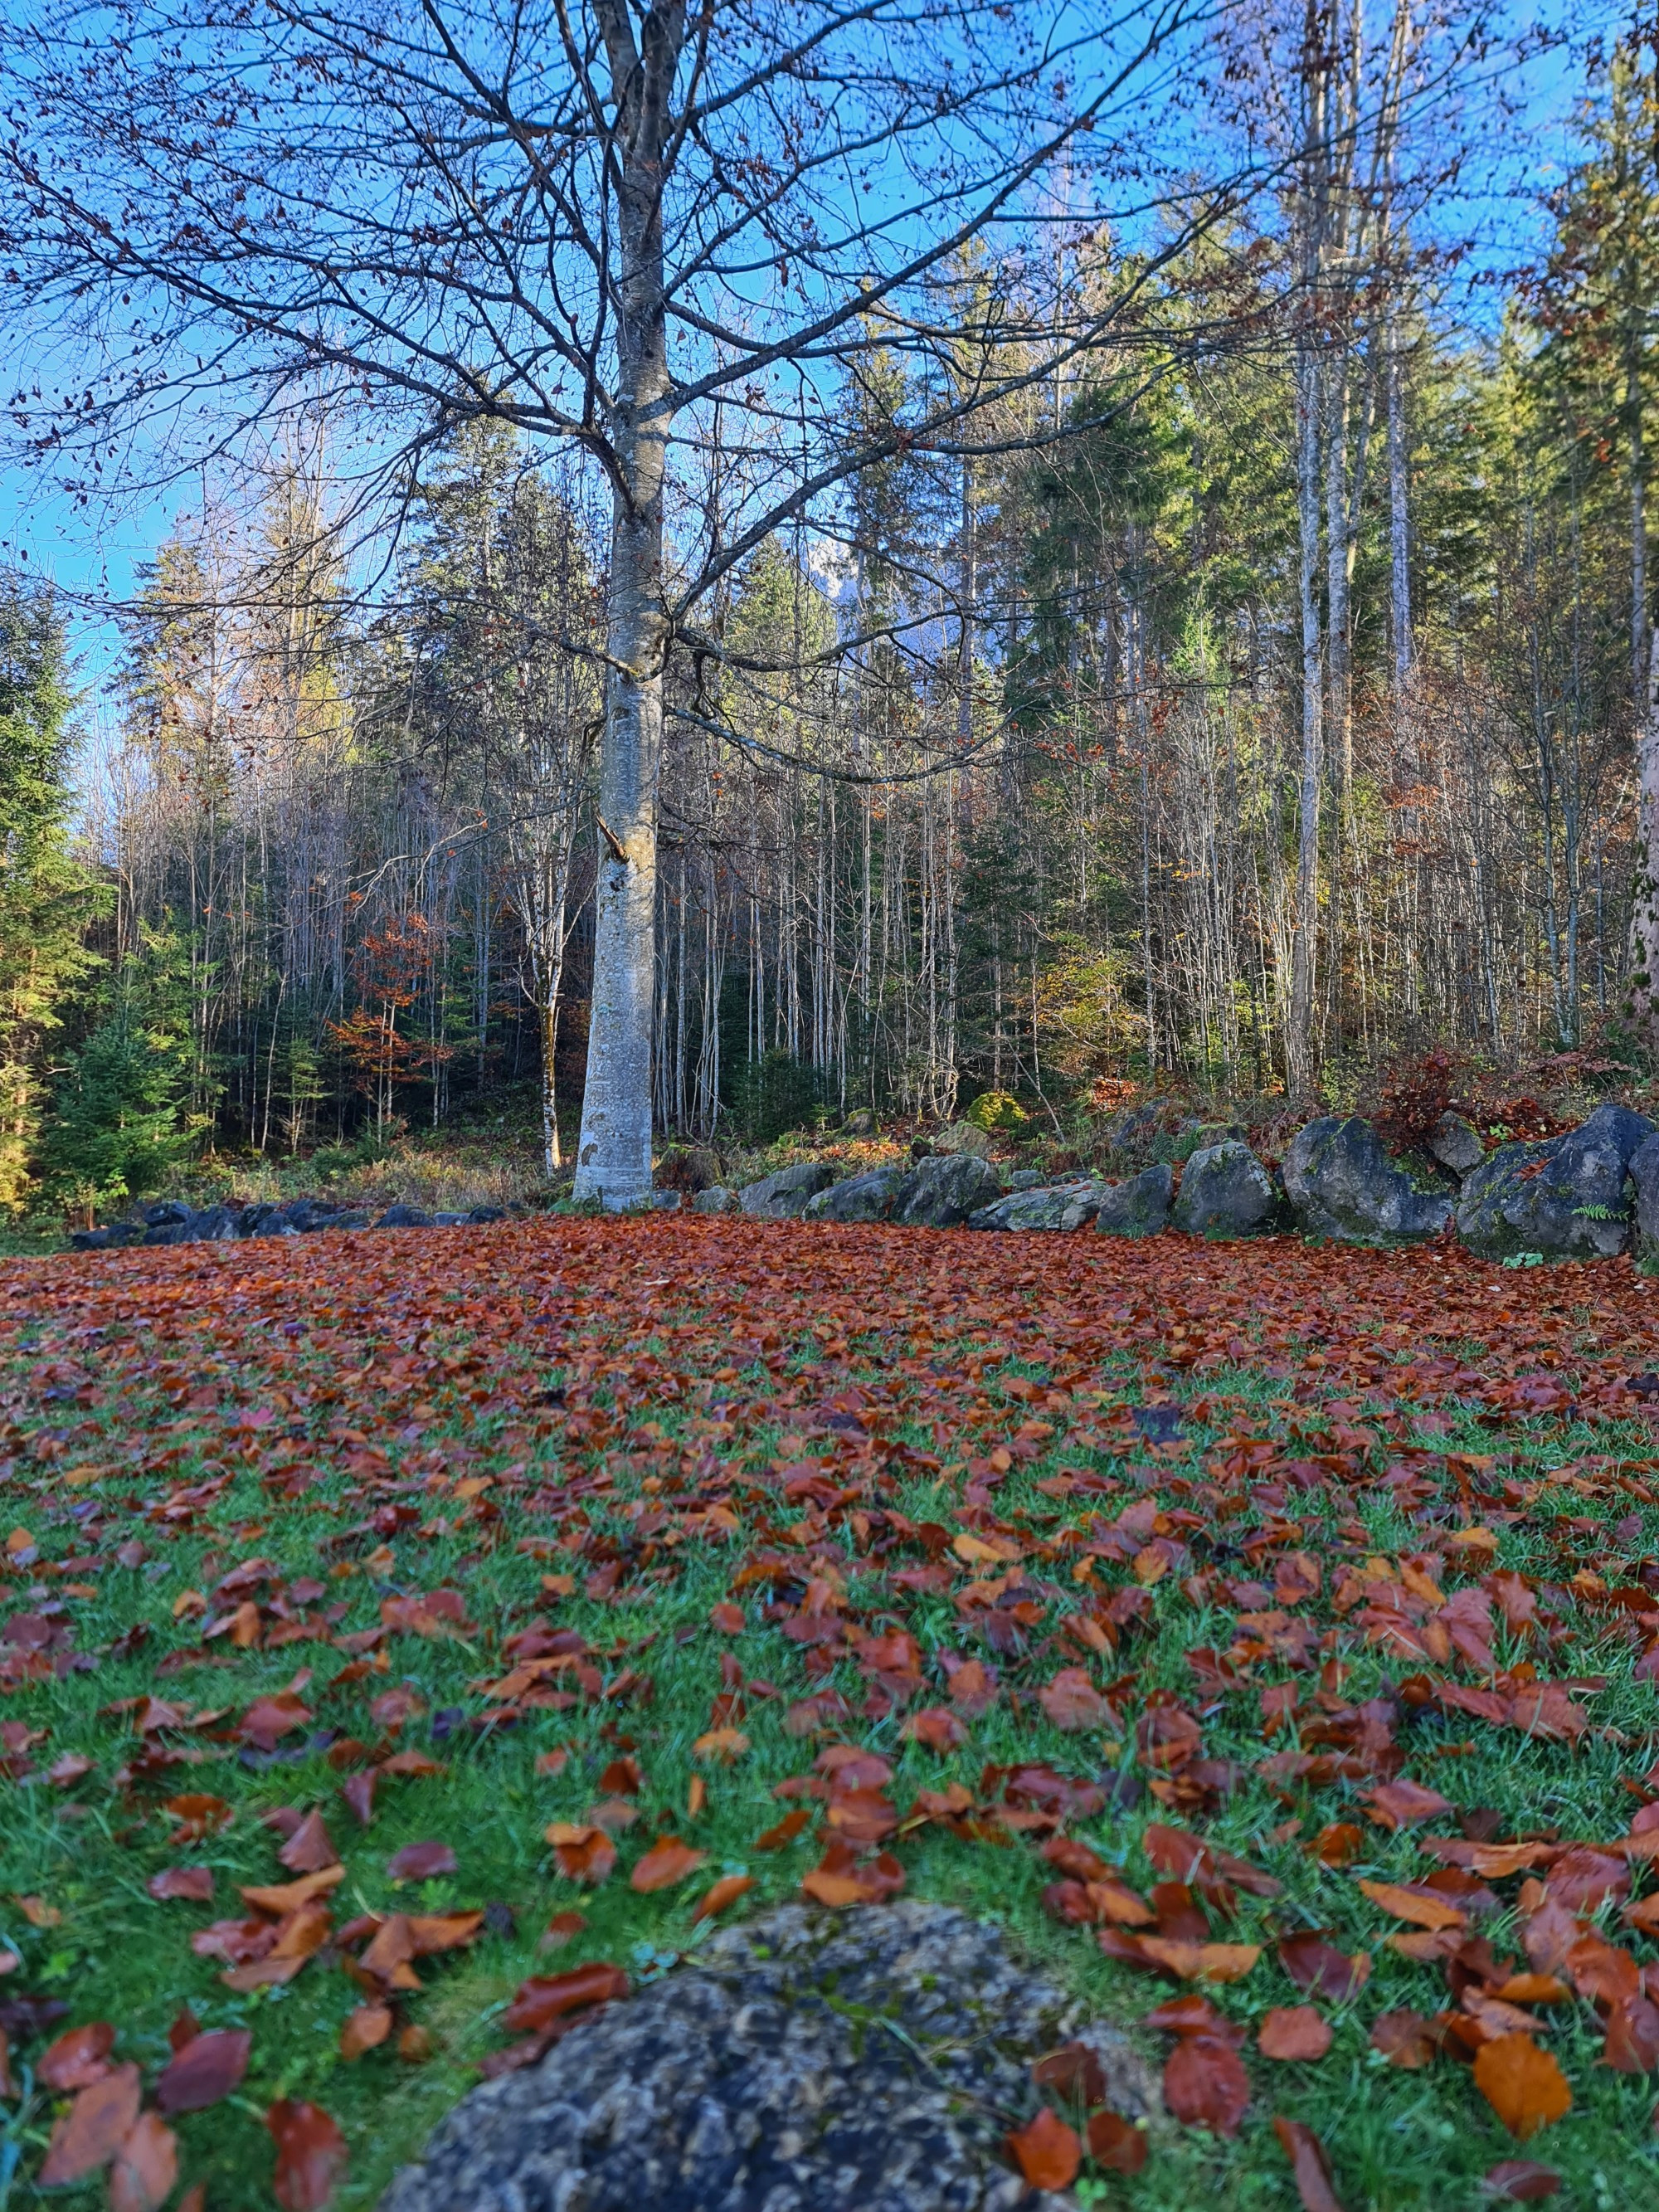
[{"x": 46, "y": 898}]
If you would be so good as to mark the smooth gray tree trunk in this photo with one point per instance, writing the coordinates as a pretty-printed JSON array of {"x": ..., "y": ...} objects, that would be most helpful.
[{"x": 613, "y": 1154}]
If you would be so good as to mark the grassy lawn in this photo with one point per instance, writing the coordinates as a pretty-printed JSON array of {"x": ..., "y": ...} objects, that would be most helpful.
[{"x": 1080, "y": 1541}]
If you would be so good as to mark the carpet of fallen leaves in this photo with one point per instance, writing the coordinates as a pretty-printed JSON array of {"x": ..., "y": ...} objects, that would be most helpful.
[{"x": 409, "y": 1642}]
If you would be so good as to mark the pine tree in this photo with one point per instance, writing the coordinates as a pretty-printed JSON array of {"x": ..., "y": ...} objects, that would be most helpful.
[
  {"x": 46, "y": 898},
  {"x": 118, "y": 1124}
]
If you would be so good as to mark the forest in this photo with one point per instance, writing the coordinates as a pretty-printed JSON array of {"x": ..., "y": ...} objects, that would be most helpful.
[
  {"x": 1261, "y": 695},
  {"x": 891, "y": 617}
]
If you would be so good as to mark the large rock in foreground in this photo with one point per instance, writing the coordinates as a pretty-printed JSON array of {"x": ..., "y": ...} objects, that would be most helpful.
[
  {"x": 1344, "y": 1185},
  {"x": 803, "y": 2063},
  {"x": 1565, "y": 1198},
  {"x": 1226, "y": 1192}
]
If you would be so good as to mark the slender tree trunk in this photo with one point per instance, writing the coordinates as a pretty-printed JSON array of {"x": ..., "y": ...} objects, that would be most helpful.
[
  {"x": 969, "y": 585},
  {"x": 1644, "y": 902},
  {"x": 1310, "y": 394},
  {"x": 1338, "y": 567},
  {"x": 1400, "y": 580},
  {"x": 1299, "y": 1043}
]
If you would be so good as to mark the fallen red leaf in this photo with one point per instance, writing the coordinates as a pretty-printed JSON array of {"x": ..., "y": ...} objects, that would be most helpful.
[
  {"x": 1071, "y": 1701},
  {"x": 1523, "y": 2085},
  {"x": 1116, "y": 2144},
  {"x": 544, "y": 1999},
  {"x": 208, "y": 2068},
  {"x": 421, "y": 1862},
  {"x": 1205, "y": 2084},
  {"x": 199, "y": 1816},
  {"x": 726, "y": 1890},
  {"x": 78, "y": 2057},
  {"x": 308, "y": 1850},
  {"x": 668, "y": 1862},
  {"x": 1309, "y": 2164},
  {"x": 841, "y": 1878},
  {"x": 1403, "y": 2038},
  {"x": 1296, "y": 2032},
  {"x": 1403, "y": 1802},
  {"x": 365, "y": 2029},
  {"x": 1047, "y": 2152},
  {"x": 146, "y": 2166},
  {"x": 1519, "y": 2181},
  {"x": 1314, "y": 1964},
  {"x": 92, "y": 2129},
  {"x": 193, "y": 1883},
  {"x": 311, "y": 2155},
  {"x": 582, "y": 1854}
]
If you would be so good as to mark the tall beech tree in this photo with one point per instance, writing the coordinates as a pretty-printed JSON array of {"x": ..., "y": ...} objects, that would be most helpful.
[{"x": 638, "y": 229}]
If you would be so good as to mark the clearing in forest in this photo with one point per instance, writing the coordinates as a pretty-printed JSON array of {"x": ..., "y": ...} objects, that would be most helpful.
[{"x": 406, "y": 1637}]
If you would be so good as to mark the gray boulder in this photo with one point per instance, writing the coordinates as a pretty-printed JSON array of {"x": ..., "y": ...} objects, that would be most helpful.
[
  {"x": 267, "y": 1220},
  {"x": 165, "y": 1232},
  {"x": 938, "y": 1192},
  {"x": 1565, "y": 1198},
  {"x": 1344, "y": 1185},
  {"x": 1134, "y": 1127},
  {"x": 941, "y": 1194},
  {"x": 111, "y": 1237},
  {"x": 1226, "y": 1192},
  {"x": 308, "y": 1215},
  {"x": 1063, "y": 1207},
  {"x": 867, "y": 1197},
  {"x": 1025, "y": 1179},
  {"x": 215, "y": 1225},
  {"x": 1139, "y": 1207},
  {"x": 717, "y": 1199},
  {"x": 864, "y": 2061},
  {"x": 783, "y": 1196},
  {"x": 1645, "y": 1175},
  {"x": 963, "y": 1137},
  {"x": 1456, "y": 1144},
  {"x": 404, "y": 1216}
]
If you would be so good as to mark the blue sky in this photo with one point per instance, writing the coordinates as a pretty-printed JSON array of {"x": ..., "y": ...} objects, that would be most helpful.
[{"x": 96, "y": 554}]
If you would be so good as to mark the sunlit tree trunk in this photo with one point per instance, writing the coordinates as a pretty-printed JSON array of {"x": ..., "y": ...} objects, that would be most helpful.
[{"x": 613, "y": 1159}]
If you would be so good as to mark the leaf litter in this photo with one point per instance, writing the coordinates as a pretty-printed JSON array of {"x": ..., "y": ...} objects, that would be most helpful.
[{"x": 1275, "y": 1624}]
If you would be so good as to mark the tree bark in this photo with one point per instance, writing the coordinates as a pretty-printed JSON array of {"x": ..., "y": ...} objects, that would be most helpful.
[
  {"x": 1312, "y": 213},
  {"x": 1299, "y": 1054},
  {"x": 613, "y": 1159},
  {"x": 1645, "y": 896},
  {"x": 1400, "y": 582}
]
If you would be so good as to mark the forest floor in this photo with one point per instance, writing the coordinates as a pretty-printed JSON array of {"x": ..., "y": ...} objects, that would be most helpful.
[{"x": 395, "y": 1623}]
